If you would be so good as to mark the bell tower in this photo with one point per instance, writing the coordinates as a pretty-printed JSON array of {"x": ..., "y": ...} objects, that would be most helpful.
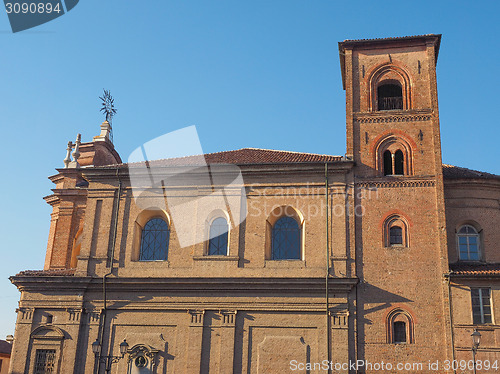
[
  {"x": 393, "y": 136},
  {"x": 391, "y": 105}
]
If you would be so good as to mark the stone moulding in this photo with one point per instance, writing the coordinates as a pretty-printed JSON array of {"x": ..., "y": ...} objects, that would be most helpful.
[{"x": 243, "y": 285}]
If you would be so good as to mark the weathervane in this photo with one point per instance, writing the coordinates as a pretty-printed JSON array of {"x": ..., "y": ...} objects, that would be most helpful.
[
  {"x": 108, "y": 105},
  {"x": 108, "y": 108}
]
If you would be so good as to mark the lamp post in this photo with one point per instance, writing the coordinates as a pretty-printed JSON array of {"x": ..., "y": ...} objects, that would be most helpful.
[
  {"x": 476, "y": 339},
  {"x": 108, "y": 360}
]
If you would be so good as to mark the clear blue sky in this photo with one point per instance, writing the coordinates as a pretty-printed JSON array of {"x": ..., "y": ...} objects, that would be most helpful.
[{"x": 246, "y": 73}]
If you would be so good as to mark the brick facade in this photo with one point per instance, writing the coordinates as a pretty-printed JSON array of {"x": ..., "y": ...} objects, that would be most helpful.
[{"x": 378, "y": 278}]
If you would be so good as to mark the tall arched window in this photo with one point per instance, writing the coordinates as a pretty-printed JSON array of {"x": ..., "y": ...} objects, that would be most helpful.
[
  {"x": 154, "y": 241},
  {"x": 400, "y": 327},
  {"x": 217, "y": 244},
  {"x": 387, "y": 163},
  {"x": 390, "y": 96},
  {"x": 399, "y": 163},
  {"x": 468, "y": 243},
  {"x": 286, "y": 239},
  {"x": 393, "y": 154},
  {"x": 396, "y": 232}
]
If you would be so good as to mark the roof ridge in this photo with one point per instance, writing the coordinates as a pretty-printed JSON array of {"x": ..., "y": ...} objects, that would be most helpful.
[
  {"x": 279, "y": 150},
  {"x": 390, "y": 38}
]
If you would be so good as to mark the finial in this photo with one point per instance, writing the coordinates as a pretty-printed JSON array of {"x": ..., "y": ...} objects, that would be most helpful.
[
  {"x": 76, "y": 153},
  {"x": 67, "y": 160}
]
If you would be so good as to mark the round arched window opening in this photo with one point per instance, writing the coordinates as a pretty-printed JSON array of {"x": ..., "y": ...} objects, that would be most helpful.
[
  {"x": 154, "y": 240},
  {"x": 469, "y": 243},
  {"x": 390, "y": 96},
  {"x": 217, "y": 244},
  {"x": 286, "y": 239},
  {"x": 387, "y": 163},
  {"x": 399, "y": 163}
]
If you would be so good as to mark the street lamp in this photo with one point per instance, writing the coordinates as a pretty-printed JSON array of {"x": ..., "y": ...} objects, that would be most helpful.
[
  {"x": 476, "y": 339},
  {"x": 108, "y": 360}
]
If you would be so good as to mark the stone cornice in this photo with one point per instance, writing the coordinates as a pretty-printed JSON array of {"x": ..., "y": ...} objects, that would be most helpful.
[
  {"x": 305, "y": 168},
  {"x": 215, "y": 286},
  {"x": 51, "y": 283}
]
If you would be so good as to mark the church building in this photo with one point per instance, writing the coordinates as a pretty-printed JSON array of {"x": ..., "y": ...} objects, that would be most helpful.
[{"x": 382, "y": 260}]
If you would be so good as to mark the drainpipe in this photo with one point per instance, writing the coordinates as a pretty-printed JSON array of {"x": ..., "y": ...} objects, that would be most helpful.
[
  {"x": 110, "y": 262},
  {"x": 327, "y": 275},
  {"x": 448, "y": 282}
]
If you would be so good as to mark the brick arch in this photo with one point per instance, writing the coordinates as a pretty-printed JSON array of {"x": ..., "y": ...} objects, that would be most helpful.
[
  {"x": 389, "y": 72},
  {"x": 395, "y": 219},
  {"x": 393, "y": 140},
  {"x": 395, "y": 212},
  {"x": 400, "y": 314}
]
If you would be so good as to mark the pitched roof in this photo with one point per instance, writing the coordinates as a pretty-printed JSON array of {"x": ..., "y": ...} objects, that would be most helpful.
[
  {"x": 456, "y": 172},
  {"x": 408, "y": 37},
  {"x": 255, "y": 156},
  {"x": 264, "y": 156},
  {"x": 244, "y": 156},
  {"x": 464, "y": 269},
  {"x": 5, "y": 347}
]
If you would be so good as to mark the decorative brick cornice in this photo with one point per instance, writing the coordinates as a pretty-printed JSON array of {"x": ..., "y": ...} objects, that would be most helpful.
[
  {"x": 397, "y": 184},
  {"x": 400, "y": 117}
]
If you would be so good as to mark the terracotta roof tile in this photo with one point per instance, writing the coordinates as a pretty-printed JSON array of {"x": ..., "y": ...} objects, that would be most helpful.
[
  {"x": 244, "y": 156},
  {"x": 475, "y": 269},
  {"x": 252, "y": 156},
  {"x": 456, "y": 172},
  {"x": 49, "y": 272},
  {"x": 391, "y": 38}
]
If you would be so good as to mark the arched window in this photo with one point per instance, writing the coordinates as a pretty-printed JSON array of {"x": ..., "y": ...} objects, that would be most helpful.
[
  {"x": 394, "y": 164},
  {"x": 387, "y": 163},
  {"x": 396, "y": 232},
  {"x": 399, "y": 163},
  {"x": 286, "y": 239},
  {"x": 389, "y": 88},
  {"x": 390, "y": 96},
  {"x": 399, "y": 332},
  {"x": 399, "y": 327},
  {"x": 393, "y": 155},
  {"x": 154, "y": 241},
  {"x": 468, "y": 243},
  {"x": 217, "y": 244},
  {"x": 396, "y": 236}
]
